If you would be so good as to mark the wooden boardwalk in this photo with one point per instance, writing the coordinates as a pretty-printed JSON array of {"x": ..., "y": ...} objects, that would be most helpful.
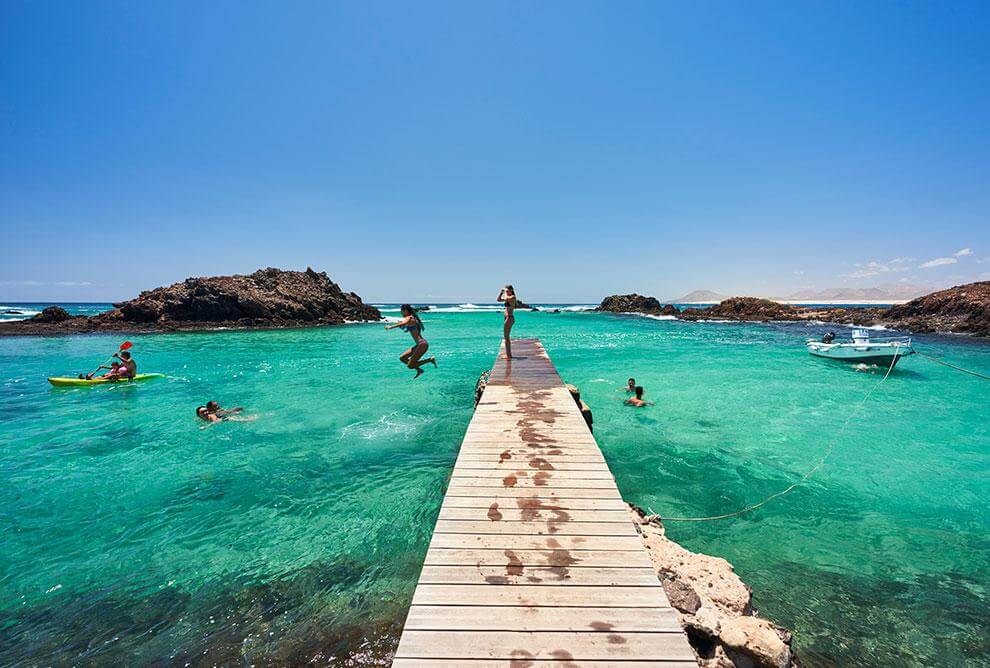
[{"x": 534, "y": 560}]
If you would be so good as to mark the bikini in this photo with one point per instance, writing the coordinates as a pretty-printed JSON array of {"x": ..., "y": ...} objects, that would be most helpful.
[{"x": 418, "y": 330}]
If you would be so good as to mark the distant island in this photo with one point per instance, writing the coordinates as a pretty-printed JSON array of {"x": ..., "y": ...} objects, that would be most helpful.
[
  {"x": 267, "y": 299},
  {"x": 882, "y": 294},
  {"x": 963, "y": 309}
]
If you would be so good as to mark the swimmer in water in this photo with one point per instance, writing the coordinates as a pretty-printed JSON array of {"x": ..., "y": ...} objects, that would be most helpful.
[
  {"x": 212, "y": 412},
  {"x": 411, "y": 323},
  {"x": 631, "y": 386},
  {"x": 508, "y": 297},
  {"x": 637, "y": 401}
]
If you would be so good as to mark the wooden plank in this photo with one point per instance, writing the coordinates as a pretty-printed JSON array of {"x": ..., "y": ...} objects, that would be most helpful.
[
  {"x": 543, "y": 645},
  {"x": 613, "y": 504},
  {"x": 545, "y": 474},
  {"x": 497, "y": 512},
  {"x": 531, "y": 492},
  {"x": 547, "y": 527},
  {"x": 523, "y": 662},
  {"x": 518, "y": 574},
  {"x": 438, "y": 556},
  {"x": 509, "y": 618},
  {"x": 517, "y": 542},
  {"x": 545, "y": 482},
  {"x": 539, "y": 595}
]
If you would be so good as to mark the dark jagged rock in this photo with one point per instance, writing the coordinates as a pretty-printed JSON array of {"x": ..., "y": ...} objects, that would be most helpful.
[
  {"x": 52, "y": 314},
  {"x": 963, "y": 309},
  {"x": 634, "y": 303},
  {"x": 268, "y": 298},
  {"x": 745, "y": 308}
]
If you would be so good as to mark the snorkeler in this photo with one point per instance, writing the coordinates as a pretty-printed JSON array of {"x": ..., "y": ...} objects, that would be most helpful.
[
  {"x": 508, "y": 296},
  {"x": 212, "y": 412},
  {"x": 411, "y": 323},
  {"x": 637, "y": 401}
]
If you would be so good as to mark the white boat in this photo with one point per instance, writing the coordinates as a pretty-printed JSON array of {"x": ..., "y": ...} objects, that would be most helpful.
[{"x": 882, "y": 351}]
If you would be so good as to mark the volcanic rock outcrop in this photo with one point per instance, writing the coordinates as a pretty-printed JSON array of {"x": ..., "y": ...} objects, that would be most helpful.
[
  {"x": 268, "y": 298},
  {"x": 636, "y": 303}
]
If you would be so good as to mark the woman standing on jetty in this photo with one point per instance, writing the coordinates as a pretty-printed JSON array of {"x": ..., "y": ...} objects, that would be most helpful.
[
  {"x": 411, "y": 323},
  {"x": 508, "y": 295}
]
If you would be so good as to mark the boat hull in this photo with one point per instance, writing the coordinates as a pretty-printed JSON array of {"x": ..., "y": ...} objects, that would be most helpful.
[{"x": 879, "y": 355}]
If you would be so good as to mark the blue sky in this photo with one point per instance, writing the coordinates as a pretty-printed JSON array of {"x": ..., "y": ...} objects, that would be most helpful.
[{"x": 436, "y": 151}]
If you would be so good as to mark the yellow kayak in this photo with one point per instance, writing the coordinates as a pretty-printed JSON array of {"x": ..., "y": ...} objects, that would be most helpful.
[{"x": 80, "y": 382}]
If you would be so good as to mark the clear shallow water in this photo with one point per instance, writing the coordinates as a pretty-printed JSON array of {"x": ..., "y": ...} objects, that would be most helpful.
[{"x": 134, "y": 535}]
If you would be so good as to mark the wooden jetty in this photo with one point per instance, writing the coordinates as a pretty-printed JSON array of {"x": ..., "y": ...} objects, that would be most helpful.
[{"x": 534, "y": 560}]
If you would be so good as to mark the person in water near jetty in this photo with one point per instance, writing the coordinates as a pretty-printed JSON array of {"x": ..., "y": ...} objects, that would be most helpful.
[
  {"x": 508, "y": 296},
  {"x": 128, "y": 363},
  {"x": 212, "y": 412},
  {"x": 411, "y": 323},
  {"x": 637, "y": 401}
]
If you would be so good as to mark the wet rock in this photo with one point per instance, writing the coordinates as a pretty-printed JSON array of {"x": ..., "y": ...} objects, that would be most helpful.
[{"x": 757, "y": 640}]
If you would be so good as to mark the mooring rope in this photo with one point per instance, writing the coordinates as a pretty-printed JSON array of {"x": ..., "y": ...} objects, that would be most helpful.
[
  {"x": 952, "y": 366},
  {"x": 806, "y": 476}
]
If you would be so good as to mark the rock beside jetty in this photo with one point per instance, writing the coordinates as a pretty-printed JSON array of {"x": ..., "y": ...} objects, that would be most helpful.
[
  {"x": 714, "y": 605},
  {"x": 268, "y": 298},
  {"x": 636, "y": 303}
]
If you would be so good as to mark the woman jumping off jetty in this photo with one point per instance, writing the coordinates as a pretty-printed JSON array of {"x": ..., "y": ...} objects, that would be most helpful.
[
  {"x": 411, "y": 323},
  {"x": 508, "y": 295}
]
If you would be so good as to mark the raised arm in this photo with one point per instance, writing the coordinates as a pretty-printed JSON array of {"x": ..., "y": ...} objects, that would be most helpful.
[{"x": 402, "y": 323}]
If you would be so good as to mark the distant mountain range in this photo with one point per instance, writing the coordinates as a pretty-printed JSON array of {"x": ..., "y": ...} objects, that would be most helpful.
[
  {"x": 880, "y": 293},
  {"x": 703, "y": 296}
]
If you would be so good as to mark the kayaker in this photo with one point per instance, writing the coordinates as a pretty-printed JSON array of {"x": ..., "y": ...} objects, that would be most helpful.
[
  {"x": 411, "y": 323},
  {"x": 114, "y": 372},
  {"x": 212, "y": 412},
  {"x": 130, "y": 366},
  {"x": 637, "y": 401}
]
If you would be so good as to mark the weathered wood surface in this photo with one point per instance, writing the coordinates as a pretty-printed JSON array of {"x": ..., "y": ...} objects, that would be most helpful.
[{"x": 534, "y": 560}]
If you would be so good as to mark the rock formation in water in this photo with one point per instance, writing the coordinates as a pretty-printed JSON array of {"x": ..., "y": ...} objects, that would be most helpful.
[
  {"x": 636, "y": 303},
  {"x": 964, "y": 309},
  {"x": 268, "y": 298},
  {"x": 714, "y": 605}
]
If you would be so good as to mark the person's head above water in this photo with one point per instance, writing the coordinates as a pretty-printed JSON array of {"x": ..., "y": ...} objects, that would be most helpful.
[
  {"x": 639, "y": 391},
  {"x": 632, "y": 383},
  {"x": 212, "y": 406}
]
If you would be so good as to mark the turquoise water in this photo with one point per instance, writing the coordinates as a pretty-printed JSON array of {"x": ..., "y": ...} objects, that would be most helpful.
[{"x": 134, "y": 535}]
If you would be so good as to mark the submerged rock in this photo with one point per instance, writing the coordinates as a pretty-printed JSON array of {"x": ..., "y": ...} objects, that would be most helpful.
[
  {"x": 268, "y": 298},
  {"x": 715, "y": 605}
]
